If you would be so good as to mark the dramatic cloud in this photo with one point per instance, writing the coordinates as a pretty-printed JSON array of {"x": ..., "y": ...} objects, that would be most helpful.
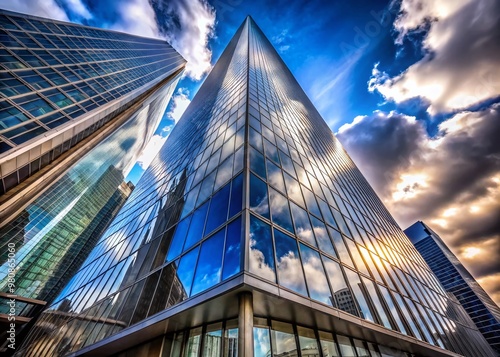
[
  {"x": 136, "y": 17},
  {"x": 44, "y": 8},
  {"x": 462, "y": 53},
  {"x": 149, "y": 153},
  {"x": 78, "y": 8},
  {"x": 180, "y": 102},
  {"x": 451, "y": 181},
  {"x": 188, "y": 25}
]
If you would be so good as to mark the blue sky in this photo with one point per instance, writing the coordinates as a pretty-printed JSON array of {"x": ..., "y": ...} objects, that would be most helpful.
[{"x": 411, "y": 88}]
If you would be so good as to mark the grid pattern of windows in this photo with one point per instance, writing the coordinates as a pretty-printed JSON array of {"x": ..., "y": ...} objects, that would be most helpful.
[
  {"x": 55, "y": 233},
  {"x": 53, "y": 74},
  {"x": 457, "y": 280},
  {"x": 252, "y": 180},
  {"x": 316, "y": 227}
]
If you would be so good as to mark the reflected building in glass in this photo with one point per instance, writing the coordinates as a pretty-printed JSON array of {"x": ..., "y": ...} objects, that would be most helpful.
[
  {"x": 457, "y": 280},
  {"x": 77, "y": 107},
  {"x": 253, "y": 233},
  {"x": 63, "y": 89}
]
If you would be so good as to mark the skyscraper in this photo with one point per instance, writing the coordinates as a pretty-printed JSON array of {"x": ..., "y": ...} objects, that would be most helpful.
[
  {"x": 254, "y": 225},
  {"x": 77, "y": 107},
  {"x": 456, "y": 279},
  {"x": 64, "y": 88}
]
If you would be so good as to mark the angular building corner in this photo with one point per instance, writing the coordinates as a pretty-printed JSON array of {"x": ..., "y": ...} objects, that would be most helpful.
[
  {"x": 253, "y": 233},
  {"x": 77, "y": 107},
  {"x": 457, "y": 280}
]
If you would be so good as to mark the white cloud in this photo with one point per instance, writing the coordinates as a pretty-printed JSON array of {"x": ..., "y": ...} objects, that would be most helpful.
[
  {"x": 43, "y": 8},
  {"x": 79, "y": 8},
  {"x": 451, "y": 181},
  {"x": 460, "y": 67},
  {"x": 150, "y": 151},
  {"x": 196, "y": 22},
  {"x": 180, "y": 102},
  {"x": 137, "y": 17}
]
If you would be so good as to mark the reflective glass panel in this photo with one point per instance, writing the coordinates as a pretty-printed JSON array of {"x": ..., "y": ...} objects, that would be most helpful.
[
  {"x": 185, "y": 271},
  {"x": 290, "y": 273},
  {"x": 324, "y": 242},
  {"x": 283, "y": 339},
  {"x": 196, "y": 227},
  {"x": 232, "y": 249},
  {"x": 209, "y": 266},
  {"x": 261, "y": 260},
  {"x": 315, "y": 275},
  {"x": 280, "y": 211},
  {"x": 328, "y": 345},
  {"x": 217, "y": 213},
  {"x": 258, "y": 196},
  {"x": 308, "y": 343},
  {"x": 261, "y": 342},
  {"x": 302, "y": 225}
]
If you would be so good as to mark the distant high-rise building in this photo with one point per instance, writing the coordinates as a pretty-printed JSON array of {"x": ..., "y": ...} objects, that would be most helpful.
[
  {"x": 77, "y": 107},
  {"x": 457, "y": 280},
  {"x": 249, "y": 223}
]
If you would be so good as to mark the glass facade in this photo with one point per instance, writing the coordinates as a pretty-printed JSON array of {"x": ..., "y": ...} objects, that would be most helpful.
[
  {"x": 457, "y": 280},
  {"x": 56, "y": 232},
  {"x": 60, "y": 82},
  {"x": 252, "y": 188}
]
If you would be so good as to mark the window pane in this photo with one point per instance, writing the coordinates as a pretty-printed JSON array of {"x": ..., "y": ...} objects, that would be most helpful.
[
  {"x": 353, "y": 279},
  {"x": 346, "y": 348},
  {"x": 340, "y": 246},
  {"x": 261, "y": 343},
  {"x": 178, "y": 239},
  {"x": 196, "y": 226},
  {"x": 261, "y": 260},
  {"x": 236, "y": 195},
  {"x": 218, "y": 209},
  {"x": 361, "y": 348},
  {"x": 257, "y": 163},
  {"x": 232, "y": 249},
  {"x": 302, "y": 225},
  {"x": 324, "y": 242},
  {"x": 392, "y": 309},
  {"x": 283, "y": 340},
  {"x": 342, "y": 297},
  {"x": 307, "y": 342},
  {"x": 275, "y": 176},
  {"x": 372, "y": 292},
  {"x": 209, "y": 265},
  {"x": 193, "y": 344},
  {"x": 290, "y": 273},
  {"x": 231, "y": 342},
  {"x": 315, "y": 275},
  {"x": 212, "y": 342},
  {"x": 328, "y": 345},
  {"x": 280, "y": 210},
  {"x": 312, "y": 206},
  {"x": 258, "y": 196},
  {"x": 185, "y": 271}
]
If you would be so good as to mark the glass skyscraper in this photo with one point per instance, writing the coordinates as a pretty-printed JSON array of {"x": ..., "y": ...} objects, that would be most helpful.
[
  {"x": 252, "y": 233},
  {"x": 77, "y": 107},
  {"x": 63, "y": 88},
  {"x": 456, "y": 279}
]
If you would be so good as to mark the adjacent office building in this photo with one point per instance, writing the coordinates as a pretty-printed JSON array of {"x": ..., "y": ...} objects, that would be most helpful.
[
  {"x": 458, "y": 281},
  {"x": 77, "y": 107},
  {"x": 253, "y": 233}
]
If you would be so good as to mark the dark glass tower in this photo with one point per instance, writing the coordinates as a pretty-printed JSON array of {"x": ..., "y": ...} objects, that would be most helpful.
[
  {"x": 253, "y": 234},
  {"x": 458, "y": 281}
]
